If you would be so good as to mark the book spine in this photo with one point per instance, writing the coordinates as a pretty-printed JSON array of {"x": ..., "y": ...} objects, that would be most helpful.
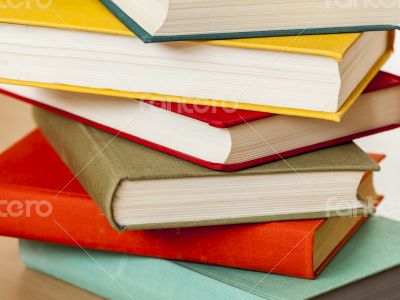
[
  {"x": 84, "y": 155},
  {"x": 120, "y": 277}
]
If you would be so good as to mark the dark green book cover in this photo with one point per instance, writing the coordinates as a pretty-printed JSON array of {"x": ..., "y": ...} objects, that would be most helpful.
[
  {"x": 102, "y": 161},
  {"x": 148, "y": 38}
]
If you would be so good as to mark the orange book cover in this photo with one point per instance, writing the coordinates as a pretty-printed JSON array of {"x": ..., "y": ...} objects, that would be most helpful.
[{"x": 41, "y": 200}]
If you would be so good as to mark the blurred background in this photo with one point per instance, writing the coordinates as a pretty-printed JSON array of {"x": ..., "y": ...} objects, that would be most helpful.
[{"x": 387, "y": 181}]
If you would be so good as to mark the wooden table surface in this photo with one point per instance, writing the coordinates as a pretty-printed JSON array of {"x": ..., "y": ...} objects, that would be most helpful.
[{"x": 16, "y": 281}]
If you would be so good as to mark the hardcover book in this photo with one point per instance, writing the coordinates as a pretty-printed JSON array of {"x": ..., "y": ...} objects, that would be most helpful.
[
  {"x": 67, "y": 215},
  {"x": 60, "y": 48},
  {"x": 357, "y": 272},
  {"x": 218, "y": 138},
  {"x": 140, "y": 188},
  {"x": 176, "y": 20}
]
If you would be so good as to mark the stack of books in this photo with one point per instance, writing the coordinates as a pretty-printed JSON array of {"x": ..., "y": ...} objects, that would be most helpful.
[{"x": 198, "y": 169}]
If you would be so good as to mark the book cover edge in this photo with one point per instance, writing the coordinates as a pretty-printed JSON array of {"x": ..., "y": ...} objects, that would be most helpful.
[{"x": 148, "y": 38}]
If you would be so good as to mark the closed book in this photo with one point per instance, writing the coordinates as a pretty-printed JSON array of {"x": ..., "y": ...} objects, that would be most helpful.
[
  {"x": 61, "y": 212},
  {"x": 58, "y": 48},
  {"x": 177, "y": 21},
  {"x": 373, "y": 250},
  {"x": 140, "y": 188},
  {"x": 217, "y": 138}
]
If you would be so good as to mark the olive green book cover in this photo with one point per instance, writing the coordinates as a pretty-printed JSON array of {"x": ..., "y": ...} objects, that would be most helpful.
[{"x": 101, "y": 161}]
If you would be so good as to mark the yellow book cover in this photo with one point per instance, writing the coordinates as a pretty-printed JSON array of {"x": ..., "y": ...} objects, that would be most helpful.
[{"x": 92, "y": 16}]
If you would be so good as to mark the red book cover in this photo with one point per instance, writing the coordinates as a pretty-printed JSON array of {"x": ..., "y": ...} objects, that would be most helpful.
[
  {"x": 225, "y": 118},
  {"x": 41, "y": 200}
]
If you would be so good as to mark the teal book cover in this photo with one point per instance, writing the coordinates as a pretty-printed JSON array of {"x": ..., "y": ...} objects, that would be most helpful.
[
  {"x": 374, "y": 249},
  {"x": 148, "y": 38}
]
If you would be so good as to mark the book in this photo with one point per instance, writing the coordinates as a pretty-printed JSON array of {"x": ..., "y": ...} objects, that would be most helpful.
[
  {"x": 326, "y": 72},
  {"x": 70, "y": 210},
  {"x": 383, "y": 285},
  {"x": 140, "y": 188},
  {"x": 220, "y": 139},
  {"x": 373, "y": 250},
  {"x": 155, "y": 21}
]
